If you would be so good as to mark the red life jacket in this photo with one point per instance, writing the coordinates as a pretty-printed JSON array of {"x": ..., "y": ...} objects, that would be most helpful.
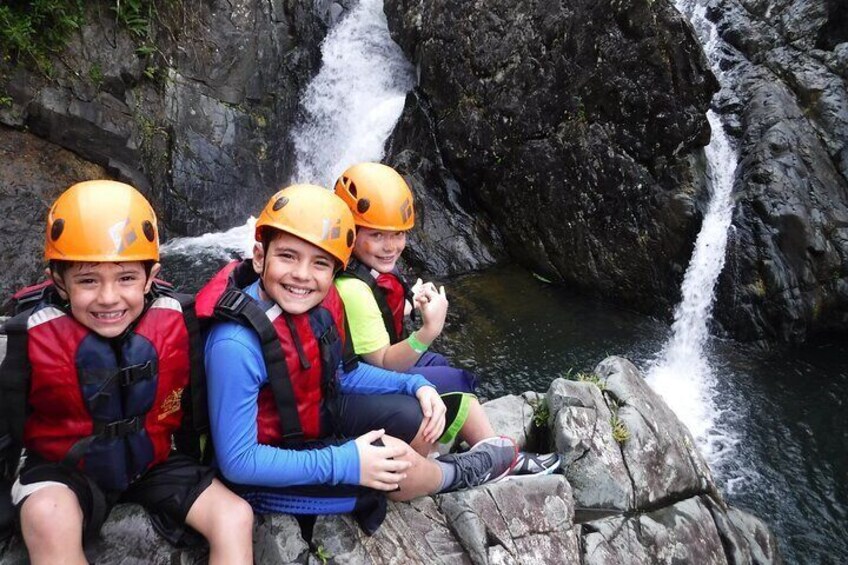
[
  {"x": 301, "y": 352},
  {"x": 391, "y": 293},
  {"x": 107, "y": 405}
]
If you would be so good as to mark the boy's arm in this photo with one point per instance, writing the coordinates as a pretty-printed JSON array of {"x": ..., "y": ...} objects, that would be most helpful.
[
  {"x": 367, "y": 329},
  {"x": 236, "y": 372},
  {"x": 368, "y": 379}
]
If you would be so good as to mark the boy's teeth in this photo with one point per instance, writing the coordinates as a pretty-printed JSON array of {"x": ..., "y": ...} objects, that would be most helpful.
[
  {"x": 108, "y": 315},
  {"x": 301, "y": 291}
]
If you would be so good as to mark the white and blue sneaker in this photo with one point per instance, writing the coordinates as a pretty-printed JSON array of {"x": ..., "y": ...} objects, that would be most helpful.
[
  {"x": 487, "y": 461},
  {"x": 533, "y": 465}
]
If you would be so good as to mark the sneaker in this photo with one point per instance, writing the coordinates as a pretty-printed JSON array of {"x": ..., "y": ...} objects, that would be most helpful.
[
  {"x": 533, "y": 464},
  {"x": 487, "y": 461}
]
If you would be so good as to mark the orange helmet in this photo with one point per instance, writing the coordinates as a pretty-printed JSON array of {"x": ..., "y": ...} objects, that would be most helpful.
[
  {"x": 313, "y": 214},
  {"x": 101, "y": 220},
  {"x": 377, "y": 196}
]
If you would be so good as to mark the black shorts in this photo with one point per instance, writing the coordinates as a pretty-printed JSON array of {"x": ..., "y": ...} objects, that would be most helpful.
[
  {"x": 167, "y": 492},
  {"x": 399, "y": 414}
]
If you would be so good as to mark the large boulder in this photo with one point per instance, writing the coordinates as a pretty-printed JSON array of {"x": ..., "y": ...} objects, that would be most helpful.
[
  {"x": 575, "y": 126},
  {"x": 785, "y": 70}
]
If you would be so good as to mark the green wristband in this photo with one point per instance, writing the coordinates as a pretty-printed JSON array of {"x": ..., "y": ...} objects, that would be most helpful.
[{"x": 416, "y": 345}]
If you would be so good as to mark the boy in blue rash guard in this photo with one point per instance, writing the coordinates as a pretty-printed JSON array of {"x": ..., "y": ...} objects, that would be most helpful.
[{"x": 295, "y": 429}]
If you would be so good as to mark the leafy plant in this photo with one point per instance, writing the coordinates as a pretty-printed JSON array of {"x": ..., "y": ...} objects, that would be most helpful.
[
  {"x": 541, "y": 413},
  {"x": 584, "y": 377},
  {"x": 34, "y": 30},
  {"x": 322, "y": 554},
  {"x": 620, "y": 433}
]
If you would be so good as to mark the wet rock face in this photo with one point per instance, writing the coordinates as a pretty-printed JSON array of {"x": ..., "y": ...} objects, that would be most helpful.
[
  {"x": 200, "y": 127},
  {"x": 452, "y": 234},
  {"x": 786, "y": 275},
  {"x": 573, "y": 125},
  {"x": 33, "y": 174}
]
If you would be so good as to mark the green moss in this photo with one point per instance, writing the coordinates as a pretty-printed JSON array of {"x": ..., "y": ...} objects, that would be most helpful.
[{"x": 95, "y": 73}]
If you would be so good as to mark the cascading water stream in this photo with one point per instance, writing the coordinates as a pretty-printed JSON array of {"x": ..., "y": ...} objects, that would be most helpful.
[
  {"x": 682, "y": 374},
  {"x": 348, "y": 111}
]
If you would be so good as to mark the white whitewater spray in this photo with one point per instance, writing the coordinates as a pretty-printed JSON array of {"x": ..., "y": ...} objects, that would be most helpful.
[
  {"x": 682, "y": 375},
  {"x": 349, "y": 109},
  {"x": 354, "y": 102}
]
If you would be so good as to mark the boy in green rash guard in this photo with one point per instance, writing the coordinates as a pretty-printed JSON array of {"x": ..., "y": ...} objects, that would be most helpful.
[{"x": 377, "y": 298}]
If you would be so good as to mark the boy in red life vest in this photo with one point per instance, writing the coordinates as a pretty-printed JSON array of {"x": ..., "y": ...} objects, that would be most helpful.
[
  {"x": 106, "y": 356},
  {"x": 377, "y": 299},
  {"x": 298, "y": 425}
]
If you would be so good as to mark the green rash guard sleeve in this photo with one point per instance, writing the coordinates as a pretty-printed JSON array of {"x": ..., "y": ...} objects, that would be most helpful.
[{"x": 367, "y": 331}]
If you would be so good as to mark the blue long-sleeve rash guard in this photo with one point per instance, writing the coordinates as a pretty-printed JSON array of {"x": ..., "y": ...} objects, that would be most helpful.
[{"x": 235, "y": 373}]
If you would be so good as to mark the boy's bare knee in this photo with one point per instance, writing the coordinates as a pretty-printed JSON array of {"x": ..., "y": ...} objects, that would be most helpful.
[
  {"x": 50, "y": 513},
  {"x": 239, "y": 514}
]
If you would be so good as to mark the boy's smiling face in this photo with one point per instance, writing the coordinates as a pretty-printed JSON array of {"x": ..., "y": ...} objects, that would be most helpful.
[
  {"x": 105, "y": 297},
  {"x": 379, "y": 249},
  {"x": 296, "y": 274}
]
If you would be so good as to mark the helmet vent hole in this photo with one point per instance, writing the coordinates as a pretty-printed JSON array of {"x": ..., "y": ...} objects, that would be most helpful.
[
  {"x": 281, "y": 201},
  {"x": 57, "y": 229},
  {"x": 149, "y": 230},
  {"x": 363, "y": 205},
  {"x": 350, "y": 238},
  {"x": 351, "y": 188}
]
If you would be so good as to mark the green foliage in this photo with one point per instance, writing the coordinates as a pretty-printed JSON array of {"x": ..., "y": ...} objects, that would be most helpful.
[
  {"x": 5, "y": 100},
  {"x": 541, "y": 413},
  {"x": 584, "y": 377},
  {"x": 32, "y": 31},
  {"x": 95, "y": 73},
  {"x": 620, "y": 433},
  {"x": 322, "y": 554}
]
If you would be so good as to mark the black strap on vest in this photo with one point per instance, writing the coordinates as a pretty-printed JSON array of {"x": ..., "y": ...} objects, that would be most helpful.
[
  {"x": 350, "y": 359},
  {"x": 14, "y": 387},
  {"x": 197, "y": 402},
  {"x": 236, "y": 306},
  {"x": 363, "y": 273}
]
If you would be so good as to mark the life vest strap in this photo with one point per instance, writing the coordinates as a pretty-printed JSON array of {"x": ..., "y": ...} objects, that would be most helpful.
[
  {"x": 105, "y": 430},
  {"x": 236, "y": 306}
]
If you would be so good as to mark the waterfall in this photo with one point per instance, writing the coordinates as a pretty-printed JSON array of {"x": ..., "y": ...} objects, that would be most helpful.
[
  {"x": 348, "y": 111},
  {"x": 682, "y": 373},
  {"x": 352, "y": 105}
]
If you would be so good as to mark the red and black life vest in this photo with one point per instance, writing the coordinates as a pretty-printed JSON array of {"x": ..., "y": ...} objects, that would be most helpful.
[
  {"x": 109, "y": 406},
  {"x": 301, "y": 352},
  {"x": 391, "y": 292}
]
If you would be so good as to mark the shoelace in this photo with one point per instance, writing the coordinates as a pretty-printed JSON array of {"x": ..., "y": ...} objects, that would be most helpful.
[{"x": 472, "y": 471}]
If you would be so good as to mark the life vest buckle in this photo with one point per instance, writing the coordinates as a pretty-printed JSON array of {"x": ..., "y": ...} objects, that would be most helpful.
[
  {"x": 121, "y": 428},
  {"x": 134, "y": 373},
  {"x": 231, "y": 305}
]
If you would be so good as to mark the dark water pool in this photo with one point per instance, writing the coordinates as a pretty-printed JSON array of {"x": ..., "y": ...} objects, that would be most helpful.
[{"x": 786, "y": 409}]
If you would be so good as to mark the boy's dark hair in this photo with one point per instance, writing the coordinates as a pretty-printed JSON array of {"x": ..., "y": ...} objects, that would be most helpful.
[
  {"x": 268, "y": 235},
  {"x": 61, "y": 267}
]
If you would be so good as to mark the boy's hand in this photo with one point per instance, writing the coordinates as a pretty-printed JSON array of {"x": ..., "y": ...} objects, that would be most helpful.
[
  {"x": 433, "y": 305},
  {"x": 379, "y": 466},
  {"x": 434, "y": 413}
]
